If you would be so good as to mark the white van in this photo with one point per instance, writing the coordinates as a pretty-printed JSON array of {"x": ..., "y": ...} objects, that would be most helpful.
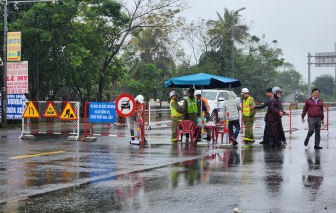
[{"x": 216, "y": 99}]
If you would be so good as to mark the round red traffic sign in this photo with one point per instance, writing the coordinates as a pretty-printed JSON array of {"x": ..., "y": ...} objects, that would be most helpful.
[{"x": 125, "y": 105}]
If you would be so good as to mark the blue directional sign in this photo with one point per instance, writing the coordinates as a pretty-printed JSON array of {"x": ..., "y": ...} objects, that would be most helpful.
[
  {"x": 102, "y": 112},
  {"x": 14, "y": 106}
]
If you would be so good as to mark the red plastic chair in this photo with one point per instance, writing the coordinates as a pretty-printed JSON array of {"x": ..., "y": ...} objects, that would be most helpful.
[
  {"x": 222, "y": 132},
  {"x": 187, "y": 127}
]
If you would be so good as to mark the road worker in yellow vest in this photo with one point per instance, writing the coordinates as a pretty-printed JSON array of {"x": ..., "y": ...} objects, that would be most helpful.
[
  {"x": 248, "y": 115},
  {"x": 176, "y": 114},
  {"x": 191, "y": 108}
]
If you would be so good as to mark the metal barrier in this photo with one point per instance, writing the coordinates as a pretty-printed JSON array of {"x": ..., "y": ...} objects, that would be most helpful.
[
  {"x": 51, "y": 125},
  {"x": 295, "y": 117},
  {"x": 259, "y": 123},
  {"x": 158, "y": 115},
  {"x": 132, "y": 126}
]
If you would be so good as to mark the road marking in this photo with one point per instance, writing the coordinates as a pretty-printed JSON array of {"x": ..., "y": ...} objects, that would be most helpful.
[
  {"x": 27, "y": 156},
  {"x": 153, "y": 139}
]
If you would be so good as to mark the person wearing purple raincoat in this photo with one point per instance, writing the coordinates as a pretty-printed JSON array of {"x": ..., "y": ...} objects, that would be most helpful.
[{"x": 274, "y": 124}]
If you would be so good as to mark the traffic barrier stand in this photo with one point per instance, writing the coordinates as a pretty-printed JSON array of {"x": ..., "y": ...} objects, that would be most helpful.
[
  {"x": 296, "y": 119},
  {"x": 51, "y": 117},
  {"x": 132, "y": 126},
  {"x": 158, "y": 114}
]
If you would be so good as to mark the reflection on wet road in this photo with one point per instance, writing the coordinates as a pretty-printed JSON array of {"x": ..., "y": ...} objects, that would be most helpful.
[{"x": 112, "y": 175}]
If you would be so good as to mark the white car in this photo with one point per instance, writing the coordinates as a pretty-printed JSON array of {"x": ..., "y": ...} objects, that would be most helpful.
[{"x": 216, "y": 99}]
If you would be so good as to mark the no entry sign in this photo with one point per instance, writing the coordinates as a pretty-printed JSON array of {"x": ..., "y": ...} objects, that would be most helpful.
[{"x": 125, "y": 105}]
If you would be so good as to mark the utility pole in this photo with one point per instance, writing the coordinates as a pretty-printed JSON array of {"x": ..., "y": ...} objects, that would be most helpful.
[
  {"x": 309, "y": 74},
  {"x": 335, "y": 76},
  {"x": 4, "y": 89}
]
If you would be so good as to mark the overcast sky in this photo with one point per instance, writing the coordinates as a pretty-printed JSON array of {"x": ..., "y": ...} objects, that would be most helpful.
[{"x": 299, "y": 26}]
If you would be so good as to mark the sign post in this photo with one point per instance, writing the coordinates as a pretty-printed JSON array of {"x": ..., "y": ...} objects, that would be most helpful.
[{"x": 327, "y": 59}]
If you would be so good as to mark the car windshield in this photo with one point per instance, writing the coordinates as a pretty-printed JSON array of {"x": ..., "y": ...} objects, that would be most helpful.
[{"x": 210, "y": 96}]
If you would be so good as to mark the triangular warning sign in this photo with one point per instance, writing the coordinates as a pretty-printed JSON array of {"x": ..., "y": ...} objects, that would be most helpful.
[
  {"x": 68, "y": 113},
  {"x": 50, "y": 111},
  {"x": 31, "y": 111}
]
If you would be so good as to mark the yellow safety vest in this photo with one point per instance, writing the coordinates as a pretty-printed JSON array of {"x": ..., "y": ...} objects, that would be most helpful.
[
  {"x": 173, "y": 110},
  {"x": 246, "y": 107},
  {"x": 192, "y": 105}
]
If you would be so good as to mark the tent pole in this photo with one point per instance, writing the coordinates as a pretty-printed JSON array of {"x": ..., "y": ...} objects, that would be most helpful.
[{"x": 202, "y": 118}]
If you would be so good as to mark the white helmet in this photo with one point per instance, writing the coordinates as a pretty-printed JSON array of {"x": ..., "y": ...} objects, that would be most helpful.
[
  {"x": 198, "y": 92},
  {"x": 172, "y": 93},
  {"x": 139, "y": 98},
  {"x": 275, "y": 89},
  {"x": 244, "y": 90}
]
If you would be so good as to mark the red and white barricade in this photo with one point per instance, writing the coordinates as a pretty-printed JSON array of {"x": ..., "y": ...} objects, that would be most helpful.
[
  {"x": 259, "y": 123},
  {"x": 51, "y": 117},
  {"x": 132, "y": 126},
  {"x": 296, "y": 119},
  {"x": 158, "y": 114}
]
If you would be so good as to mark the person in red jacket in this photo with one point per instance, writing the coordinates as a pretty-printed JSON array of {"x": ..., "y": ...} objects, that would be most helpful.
[{"x": 314, "y": 107}]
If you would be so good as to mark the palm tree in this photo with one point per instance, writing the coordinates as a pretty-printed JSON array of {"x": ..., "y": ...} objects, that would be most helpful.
[
  {"x": 221, "y": 34},
  {"x": 221, "y": 30}
]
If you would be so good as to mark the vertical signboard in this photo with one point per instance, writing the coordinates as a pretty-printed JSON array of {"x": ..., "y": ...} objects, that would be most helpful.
[
  {"x": 17, "y": 77},
  {"x": 14, "y": 106},
  {"x": 14, "y": 46}
]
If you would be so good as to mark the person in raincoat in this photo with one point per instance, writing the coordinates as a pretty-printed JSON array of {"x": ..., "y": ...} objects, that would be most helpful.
[
  {"x": 135, "y": 121},
  {"x": 274, "y": 124},
  {"x": 233, "y": 106}
]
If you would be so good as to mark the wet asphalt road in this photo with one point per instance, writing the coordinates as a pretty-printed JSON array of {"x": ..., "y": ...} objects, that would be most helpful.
[{"x": 111, "y": 175}]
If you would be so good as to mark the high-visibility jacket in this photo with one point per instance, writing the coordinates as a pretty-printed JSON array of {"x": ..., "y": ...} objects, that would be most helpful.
[
  {"x": 206, "y": 105},
  {"x": 192, "y": 105},
  {"x": 173, "y": 110},
  {"x": 246, "y": 106}
]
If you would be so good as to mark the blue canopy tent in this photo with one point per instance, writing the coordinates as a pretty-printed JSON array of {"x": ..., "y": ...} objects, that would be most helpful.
[{"x": 202, "y": 81}]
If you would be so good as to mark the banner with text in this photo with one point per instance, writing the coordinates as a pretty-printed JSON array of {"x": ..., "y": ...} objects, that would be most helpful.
[
  {"x": 102, "y": 112},
  {"x": 17, "y": 77},
  {"x": 14, "y": 46},
  {"x": 14, "y": 106}
]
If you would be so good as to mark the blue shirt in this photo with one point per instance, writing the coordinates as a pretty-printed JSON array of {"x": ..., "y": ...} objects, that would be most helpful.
[{"x": 315, "y": 100}]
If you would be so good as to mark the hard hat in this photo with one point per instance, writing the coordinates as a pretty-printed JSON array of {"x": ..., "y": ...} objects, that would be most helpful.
[
  {"x": 191, "y": 90},
  {"x": 244, "y": 90},
  {"x": 172, "y": 93},
  {"x": 275, "y": 89},
  {"x": 198, "y": 92},
  {"x": 139, "y": 98}
]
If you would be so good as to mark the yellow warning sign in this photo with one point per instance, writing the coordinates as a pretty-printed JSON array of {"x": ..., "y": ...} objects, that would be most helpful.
[
  {"x": 50, "y": 111},
  {"x": 68, "y": 113},
  {"x": 31, "y": 111}
]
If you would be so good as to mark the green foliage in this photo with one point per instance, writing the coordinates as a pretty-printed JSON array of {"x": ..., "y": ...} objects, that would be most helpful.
[
  {"x": 325, "y": 83},
  {"x": 289, "y": 79}
]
